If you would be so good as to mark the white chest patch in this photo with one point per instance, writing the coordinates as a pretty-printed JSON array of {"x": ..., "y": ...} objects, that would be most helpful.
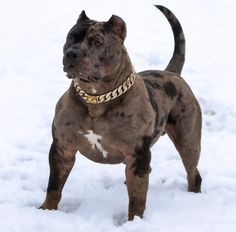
[{"x": 94, "y": 140}]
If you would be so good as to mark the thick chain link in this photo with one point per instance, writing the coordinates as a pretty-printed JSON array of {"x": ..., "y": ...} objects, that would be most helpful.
[{"x": 97, "y": 99}]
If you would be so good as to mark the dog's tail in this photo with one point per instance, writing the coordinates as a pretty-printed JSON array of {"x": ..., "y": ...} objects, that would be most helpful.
[{"x": 177, "y": 61}]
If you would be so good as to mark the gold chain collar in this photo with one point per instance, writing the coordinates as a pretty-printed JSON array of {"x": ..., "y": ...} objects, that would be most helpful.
[{"x": 97, "y": 99}]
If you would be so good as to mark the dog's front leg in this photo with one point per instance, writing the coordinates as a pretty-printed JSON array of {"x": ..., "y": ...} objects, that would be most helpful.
[
  {"x": 61, "y": 163},
  {"x": 137, "y": 190},
  {"x": 137, "y": 178}
]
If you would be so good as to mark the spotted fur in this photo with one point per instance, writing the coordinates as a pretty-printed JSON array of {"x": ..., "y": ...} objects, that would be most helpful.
[{"x": 122, "y": 129}]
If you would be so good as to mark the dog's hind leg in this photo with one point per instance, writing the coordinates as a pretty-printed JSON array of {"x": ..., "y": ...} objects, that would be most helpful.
[
  {"x": 61, "y": 162},
  {"x": 184, "y": 129}
]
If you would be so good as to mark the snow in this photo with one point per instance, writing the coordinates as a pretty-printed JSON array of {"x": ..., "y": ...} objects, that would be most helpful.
[{"x": 95, "y": 197}]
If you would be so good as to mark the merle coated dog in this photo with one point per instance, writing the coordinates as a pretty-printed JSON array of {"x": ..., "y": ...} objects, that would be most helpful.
[{"x": 111, "y": 114}]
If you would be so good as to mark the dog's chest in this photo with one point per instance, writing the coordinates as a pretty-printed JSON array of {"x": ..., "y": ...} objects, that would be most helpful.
[
  {"x": 94, "y": 142},
  {"x": 107, "y": 138},
  {"x": 100, "y": 145},
  {"x": 102, "y": 140}
]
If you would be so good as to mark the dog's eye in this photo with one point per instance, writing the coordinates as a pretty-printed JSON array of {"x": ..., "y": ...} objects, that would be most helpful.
[
  {"x": 98, "y": 43},
  {"x": 70, "y": 39}
]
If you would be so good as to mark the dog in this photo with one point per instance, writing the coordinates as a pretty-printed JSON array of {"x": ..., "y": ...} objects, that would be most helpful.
[{"x": 111, "y": 114}]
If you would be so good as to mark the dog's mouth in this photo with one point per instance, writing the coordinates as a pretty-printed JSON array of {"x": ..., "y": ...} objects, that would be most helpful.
[
  {"x": 84, "y": 78},
  {"x": 87, "y": 76}
]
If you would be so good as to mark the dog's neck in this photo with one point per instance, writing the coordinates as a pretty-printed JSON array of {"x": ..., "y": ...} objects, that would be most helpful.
[
  {"x": 122, "y": 75},
  {"x": 116, "y": 77},
  {"x": 105, "y": 97}
]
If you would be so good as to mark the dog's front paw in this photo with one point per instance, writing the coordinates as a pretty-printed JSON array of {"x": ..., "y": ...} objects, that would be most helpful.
[
  {"x": 48, "y": 205},
  {"x": 52, "y": 200}
]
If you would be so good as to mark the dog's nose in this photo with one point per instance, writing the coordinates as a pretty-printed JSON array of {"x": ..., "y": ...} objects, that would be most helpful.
[{"x": 71, "y": 53}]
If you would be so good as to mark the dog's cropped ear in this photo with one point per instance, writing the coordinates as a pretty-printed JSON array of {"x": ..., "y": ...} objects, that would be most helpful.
[
  {"x": 82, "y": 17},
  {"x": 117, "y": 25}
]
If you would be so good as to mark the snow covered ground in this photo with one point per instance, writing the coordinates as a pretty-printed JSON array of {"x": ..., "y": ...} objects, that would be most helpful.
[{"x": 95, "y": 197}]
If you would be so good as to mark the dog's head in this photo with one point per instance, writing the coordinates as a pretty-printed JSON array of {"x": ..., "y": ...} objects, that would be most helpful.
[{"x": 93, "y": 49}]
